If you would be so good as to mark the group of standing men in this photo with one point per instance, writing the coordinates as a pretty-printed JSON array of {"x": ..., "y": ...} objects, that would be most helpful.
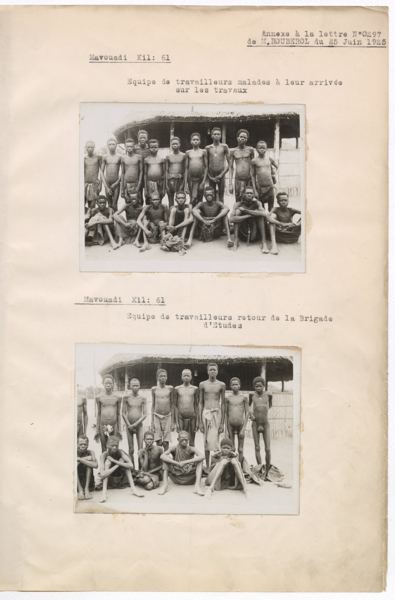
[
  {"x": 141, "y": 175},
  {"x": 187, "y": 409}
]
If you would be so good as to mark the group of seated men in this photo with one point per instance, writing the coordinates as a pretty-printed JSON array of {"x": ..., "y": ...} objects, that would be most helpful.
[
  {"x": 142, "y": 179},
  {"x": 187, "y": 409}
]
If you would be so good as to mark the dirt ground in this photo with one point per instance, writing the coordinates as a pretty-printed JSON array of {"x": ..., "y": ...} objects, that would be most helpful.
[
  {"x": 265, "y": 499},
  {"x": 200, "y": 252}
]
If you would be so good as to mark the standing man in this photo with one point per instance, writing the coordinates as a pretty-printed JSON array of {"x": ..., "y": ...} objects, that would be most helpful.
[
  {"x": 211, "y": 410},
  {"x": 154, "y": 173},
  {"x": 92, "y": 181},
  {"x": 82, "y": 415},
  {"x": 218, "y": 162},
  {"x": 263, "y": 170},
  {"x": 134, "y": 412},
  {"x": 109, "y": 421},
  {"x": 241, "y": 157},
  {"x": 132, "y": 171},
  {"x": 176, "y": 171},
  {"x": 111, "y": 176},
  {"x": 196, "y": 165},
  {"x": 142, "y": 149},
  {"x": 162, "y": 409},
  {"x": 186, "y": 402}
]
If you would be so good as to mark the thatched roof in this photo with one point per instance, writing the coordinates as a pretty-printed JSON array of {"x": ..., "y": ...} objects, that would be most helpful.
[
  {"x": 276, "y": 365},
  {"x": 142, "y": 117}
]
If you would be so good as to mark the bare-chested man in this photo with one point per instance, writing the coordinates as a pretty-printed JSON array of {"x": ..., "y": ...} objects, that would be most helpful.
[
  {"x": 99, "y": 225},
  {"x": 263, "y": 170},
  {"x": 111, "y": 176},
  {"x": 211, "y": 410},
  {"x": 142, "y": 149},
  {"x": 260, "y": 402},
  {"x": 237, "y": 413},
  {"x": 176, "y": 172},
  {"x": 183, "y": 464},
  {"x": 108, "y": 413},
  {"x": 115, "y": 467},
  {"x": 132, "y": 171},
  {"x": 154, "y": 173},
  {"x": 226, "y": 472},
  {"x": 181, "y": 220},
  {"x": 134, "y": 412},
  {"x": 151, "y": 468},
  {"x": 218, "y": 162},
  {"x": 82, "y": 415},
  {"x": 283, "y": 229},
  {"x": 240, "y": 158},
  {"x": 86, "y": 462},
  {"x": 211, "y": 218},
  {"x": 92, "y": 181},
  {"x": 248, "y": 217},
  {"x": 162, "y": 410},
  {"x": 153, "y": 221},
  {"x": 125, "y": 225},
  {"x": 196, "y": 165},
  {"x": 186, "y": 401}
]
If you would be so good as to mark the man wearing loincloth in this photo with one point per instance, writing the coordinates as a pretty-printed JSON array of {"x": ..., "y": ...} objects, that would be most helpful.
[
  {"x": 186, "y": 402},
  {"x": 153, "y": 221},
  {"x": 92, "y": 181},
  {"x": 131, "y": 171},
  {"x": 241, "y": 158},
  {"x": 218, "y": 162},
  {"x": 236, "y": 416},
  {"x": 115, "y": 470},
  {"x": 151, "y": 468},
  {"x": 108, "y": 413},
  {"x": 248, "y": 217},
  {"x": 282, "y": 228},
  {"x": 260, "y": 402},
  {"x": 86, "y": 462},
  {"x": 196, "y": 165},
  {"x": 176, "y": 172},
  {"x": 211, "y": 410},
  {"x": 142, "y": 150},
  {"x": 183, "y": 464},
  {"x": 125, "y": 221},
  {"x": 226, "y": 472},
  {"x": 181, "y": 219},
  {"x": 134, "y": 413},
  {"x": 263, "y": 170},
  {"x": 99, "y": 225},
  {"x": 162, "y": 410},
  {"x": 111, "y": 175},
  {"x": 211, "y": 218},
  {"x": 82, "y": 415},
  {"x": 154, "y": 173}
]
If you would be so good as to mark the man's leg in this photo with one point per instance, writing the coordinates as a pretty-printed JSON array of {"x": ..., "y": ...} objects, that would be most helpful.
[
  {"x": 236, "y": 232},
  {"x": 226, "y": 226},
  {"x": 89, "y": 472},
  {"x": 137, "y": 240},
  {"x": 115, "y": 197},
  {"x": 140, "y": 437},
  {"x": 240, "y": 447},
  {"x": 266, "y": 440},
  {"x": 165, "y": 485},
  {"x": 218, "y": 472},
  {"x": 221, "y": 189},
  {"x": 192, "y": 431},
  {"x": 80, "y": 491},
  {"x": 113, "y": 243},
  {"x": 255, "y": 435},
  {"x": 231, "y": 432},
  {"x": 239, "y": 474},
  {"x": 274, "y": 249},
  {"x": 261, "y": 225},
  {"x": 192, "y": 232},
  {"x": 199, "y": 471},
  {"x": 103, "y": 439},
  {"x": 170, "y": 197},
  {"x": 146, "y": 245},
  {"x": 107, "y": 465},
  {"x": 133, "y": 490},
  {"x": 129, "y": 435}
]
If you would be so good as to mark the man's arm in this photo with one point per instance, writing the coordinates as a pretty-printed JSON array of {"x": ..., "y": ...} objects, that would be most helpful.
[
  {"x": 89, "y": 462},
  {"x": 140, "y": 168},
  {"x": 200, "y": 409},
  {"x": 143, "y": 415},
  {"x": 259, "y": 212},
  {"x": 122, "y": 178},
  {"x": 172, "y": 410},
  {"x": 85, "y": 415},
  {"x": 166, "y": 212},
  {"x": 152, "y": 407},
  {"x": 196, "y": 407},
  {"x": 103, "y": 472},
  {"x": 253, "y": 176},
  {"x": 125, "y": 462},
  {"x": 102, "y": 169},
  {"x": 196, "y": 213},
  {"x": 98, "y": 420},
  {"x": 119, "y": 404},
  {"x": 167, "y": 162},
  {"x": 176, "y": 409},
  {"x": 185, "y": 183},
  {"x": 116, "y": 183},
  {"x": 223, "y": 405},
  {"x": 271, "y": 218},
  {"x": 205, "y": 164},
  {"x": 246, "y": 415},
  {"x": 237, "y": 218},
  {"x": 140, "y": 220},
  {"x": 124, "y": 411},
  {"x": 188, "y": 218},
  {"x": 118, "y": 218},
  {"x": 196, "y": 459},
  {"x": 222, "y": 214},
  {"x": 145, "y": 168},
  {"x": 172, "y": 217},
  {"x": 231, "y": 162},
  {"x": 167, "y": 457}
]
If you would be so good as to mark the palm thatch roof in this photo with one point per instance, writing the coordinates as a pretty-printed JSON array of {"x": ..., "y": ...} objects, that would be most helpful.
[{"x": 276, "y": 366}]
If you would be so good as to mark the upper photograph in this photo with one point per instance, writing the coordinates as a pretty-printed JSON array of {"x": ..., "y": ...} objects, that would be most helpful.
[{"x": 192, "y": 188}]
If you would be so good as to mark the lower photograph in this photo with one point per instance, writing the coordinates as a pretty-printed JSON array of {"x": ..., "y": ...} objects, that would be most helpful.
[{"x": 187, "y": 429}]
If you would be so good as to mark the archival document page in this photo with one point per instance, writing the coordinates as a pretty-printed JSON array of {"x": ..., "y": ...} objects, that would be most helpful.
[{"x": 282, "y": 113}]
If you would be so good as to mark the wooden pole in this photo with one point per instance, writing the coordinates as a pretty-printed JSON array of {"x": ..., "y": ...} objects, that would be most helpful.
[
  {"x": 277, "y": 139},
  {"x": 224, "y": 133},
  {"x": 126, "y": 378},
  {"x": 171, "y": 132},
  {"x": 282, "y": 382},
  {"x": 263, "y": 371}
]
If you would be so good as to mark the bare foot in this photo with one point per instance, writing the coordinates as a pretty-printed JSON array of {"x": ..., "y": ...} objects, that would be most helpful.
[
  {"x": 121, "y": 242},
  {"x": 137, "y": 244},
  {"x": 230, "y": 244},
  {"x": 136, "y": 493},
  {"x": 145, "y": 247},
  {"x": 274, "y": 249},
  {"x": 235, "y": 246},
  {"x": 198, "y": 491},
  {"x": 116, "y": 246},
  {"x": 88, "y": 495},
  {"x": 103, "y": 498},
  {"x": 80, "y": 496},
  {"x": 247, "y": 495},
  {"x": 265, "y": 249},
  {"x": 209, "y": 493},
  {"x": 188, "y": 244},
  {"x": 163, "y": 490}
]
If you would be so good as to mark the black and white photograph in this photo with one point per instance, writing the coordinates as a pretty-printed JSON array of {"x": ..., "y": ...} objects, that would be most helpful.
[
  {"x": 192, "y": 188},
  {"x": 187, "y": 429}
]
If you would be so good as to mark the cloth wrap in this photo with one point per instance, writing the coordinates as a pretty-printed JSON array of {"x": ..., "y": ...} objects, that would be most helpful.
[
  {"x": 173, "y": 243},
  {"x": 128, "y": 235},
  {"x": 240, "y": 188},
  {"x": 117, "y": 480},
  {"x": 162, "y": 427},
  {"x": 211, "y": 423},
  {"x": 185, "y": 475},
  {"x": 156, "y": 230},
  {"x": 132, "y": 188},
  {"x": 228, "y": 477},
  {"x": 91, "y": 192},
  {"x": 175, "y": 183},
  {"x": 98, "y": 235},
  {"x": 288, "y": 236},
  {"x": 210, "y": 232},
  {"x": 194, "y": 191},
  {"x": 155, "y": 188}
]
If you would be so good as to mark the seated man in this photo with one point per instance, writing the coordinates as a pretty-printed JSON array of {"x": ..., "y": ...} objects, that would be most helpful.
[
  {"x": 153, "y": 220},
  {"x": 225, "y": 472},
  {"x": 248, "y": 217},
  {"x": 282, "y": 228},
  {"x": 99, "y": 225},
  {"x": 151, "y": 470},
  {"x": 86, "y": 462},
  {"x": 183, "y": 464},
  {"x": 126, "y": 227},
  {"x": 211, "y": 218},
  {"x": 115, "y": 469},
  {"x": 181, "y": 221}
]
